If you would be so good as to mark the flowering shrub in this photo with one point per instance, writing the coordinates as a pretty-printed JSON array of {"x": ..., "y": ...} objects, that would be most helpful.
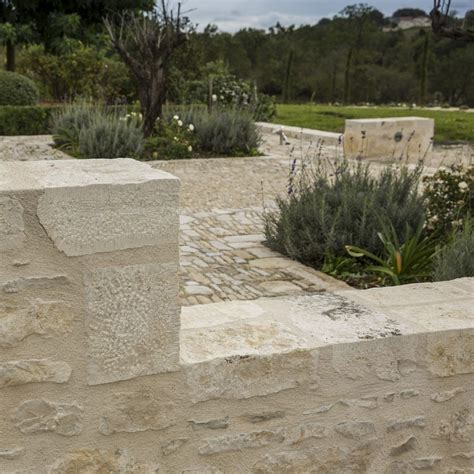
[
  {"x": 173, "y": 140},
  {"x": 449, "y": 198}
]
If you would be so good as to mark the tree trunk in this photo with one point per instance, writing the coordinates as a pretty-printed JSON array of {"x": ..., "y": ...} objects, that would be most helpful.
[
  {"x": 11, "y": 56},
  {"x": 152, "y": 97},
  {"x": 424, "y": 70}
]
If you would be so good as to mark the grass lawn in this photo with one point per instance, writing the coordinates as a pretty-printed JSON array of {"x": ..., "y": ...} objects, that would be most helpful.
[{"x": 449, "y": 125}]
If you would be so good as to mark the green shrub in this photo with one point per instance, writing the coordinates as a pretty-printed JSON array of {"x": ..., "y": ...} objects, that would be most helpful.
[
  {"x": 449, "y": 198},
  {"x": 224, "y": 132},
  {"x": 16, "y": 89},
  {"x": 25, "y": 120},
  {"x": 328, "y": 208},
  {"x": 174, "y": 140},
  {"x": 456, "y": 259},
  {"x": 89, "y": 131}
]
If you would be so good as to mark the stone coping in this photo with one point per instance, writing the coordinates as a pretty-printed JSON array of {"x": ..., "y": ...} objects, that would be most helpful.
[
  {"x": 328, "y": 138},
  {"x": 391, "y": 119},
  {"x": 40, "y": 175},
  {"x": 281, "y": 325}
]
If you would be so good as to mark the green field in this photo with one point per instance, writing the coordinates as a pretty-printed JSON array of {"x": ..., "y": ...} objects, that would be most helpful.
[{"x": 450, "y": 126}]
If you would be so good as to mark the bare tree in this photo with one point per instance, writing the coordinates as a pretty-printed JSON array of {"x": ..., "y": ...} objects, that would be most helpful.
[
  {"x": 146, "y": 43},
  {"x": 443, "y": 24}
]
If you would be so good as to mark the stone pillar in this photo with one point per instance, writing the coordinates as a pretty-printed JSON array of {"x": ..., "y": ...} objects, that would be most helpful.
[{"x": 89, "y": 274}]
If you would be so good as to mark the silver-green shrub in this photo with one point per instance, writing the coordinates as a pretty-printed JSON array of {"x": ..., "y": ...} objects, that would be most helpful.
[{"x": 456, "y": 259}]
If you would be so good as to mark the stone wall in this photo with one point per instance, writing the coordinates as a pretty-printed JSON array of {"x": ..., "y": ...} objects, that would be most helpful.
[{"x": 99, "y": 375}]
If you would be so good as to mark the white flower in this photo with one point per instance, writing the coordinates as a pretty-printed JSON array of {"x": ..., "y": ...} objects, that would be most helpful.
[
  {"x": 175, "y": 139},
  {"x": 463, "y": 185},
  {"x": 155, "y": 154},
  {"x": 191, "y": 127},
  {"x": 214, "y": 98},
  {"x": 190, "y": 148},
  {"x": 180, "y": 123},
  {"x": 176, "y": 117}
]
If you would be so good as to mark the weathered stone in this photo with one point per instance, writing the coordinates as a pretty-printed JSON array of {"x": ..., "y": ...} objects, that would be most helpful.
[
  {"x": 37, "y": 282},
  {"x": 451, "y": 353},
  {"x": 45, "y": 318},
  {"x": 416, "y": 422},
  {"x": 237, "y": 442},
  {"x": 206, "y": 469},
  {"x": 33, "y": 371},
  {"x": 463, "y": 455},
  {"x": 389, "y": 397},
  {"x": 12, "y": 228},
  {"x": 405, "y": 394},
  {"x": 320, "y": 460},
  {"x": 218, "y": 424},
  {"x": 132, "y": 322},
  {"x": 408, "y": 445},
  {"x": 173, "y": 446},
  {"x": 458, "y": 428},
  {"x": 265, "y": 416},
  {"x": 369, "y": 402},
  {"x": 136, "y": 209},
  {"x": 355, "y": 429},
  {"x": 425, "y": 464},
  {"x": 116, "y": 461},
  {"x": 442, "y": 397},
  {"x": 131, "y": 412},
  {"x": 241, "y": 377},
  {"x": 34, "y": 416},
  {"x": 11, "y": 453},
  {"x": 304, "y": 431}
]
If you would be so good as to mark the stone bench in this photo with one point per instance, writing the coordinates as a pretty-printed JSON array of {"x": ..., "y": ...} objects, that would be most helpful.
[
  {"x": 99, "y": 373},
  {"x": 404, "y": 138}
]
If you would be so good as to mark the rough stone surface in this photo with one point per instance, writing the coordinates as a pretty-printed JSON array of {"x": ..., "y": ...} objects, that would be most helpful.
[
  {"x": 355, "y": 429},
  {"x": 458, "y": 428},
  {"x": 11, "y": 453},
  {"x": 389, "y": 138},
  {"x": 36, "y": 416},
  {"x": 132, "y": 321},
  {"x": 133, "y": 412},
  {"x": 408, "y": 445},
  {"x": 45, "y": 318},
  {"x": 33, "y": 371},
  {"x": 12, "y": 229},
  {"x": 95, "y": 216},
  {"x": 441, "y": 397},
  {"x": 416, "y": 422}
]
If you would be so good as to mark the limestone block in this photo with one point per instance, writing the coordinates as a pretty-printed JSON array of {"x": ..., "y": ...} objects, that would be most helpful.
[
  {"x": 240, "y": 377},
  {"x": 451, "y": 353},
  {"x": 217, "y": 424},
  {"x": 35, "y": 416},
  {"x": 332, "y": 459},
  {"x": 408, "y": 445},
  {"x": 441, "y": 397},
  {"x": 99, "y": 214},
  {"x": 173, "y": 446},
  {"x": 237, "y": 442},
  {"x": 20, "y": 320},
  {"x": 355, "y": 429},
  {"x": 12, "y": 228},
  {"x": 132, "y": 321},
  {"x": 132, "y": 412},
  {"x": 389, "y": 138},
  {"x": 117, "y": 461},
  {"x": 403, "y": 424},
  {"x": 458, "y": 428},
  {"x": 37, "y": 282},
  {"x": 21, "y": 372},
  {"x": 303, "y": 431}
]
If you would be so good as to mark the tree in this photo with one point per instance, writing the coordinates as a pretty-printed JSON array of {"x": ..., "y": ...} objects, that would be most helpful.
[
  {"x": 51, "y": 22},
  {"x": 146, "y": 44},
  {"x": 404, "y": 12},
  {"x": 444, "y": 24}
]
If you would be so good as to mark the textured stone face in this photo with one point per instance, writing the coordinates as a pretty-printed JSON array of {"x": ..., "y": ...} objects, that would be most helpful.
[
  {"x": 45, "y": 318},
  {"x": 12, "y": 229},
  {"x": 12, "y": 453},
  {"x": 243, "y": 377},
  {"x": 132, "y": 322},
  {"x": 132, "y": 412},
  {"x": 21, "y": 372},
  {"x": 35, "y": 416},
  {"x": 117, "y": 461},
  {"x": 106, "y": 218},
  {"x": 355, "y": 429}
]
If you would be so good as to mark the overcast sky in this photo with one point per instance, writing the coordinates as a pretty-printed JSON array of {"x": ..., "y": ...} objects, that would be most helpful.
[{"x": 231, "y": 15}]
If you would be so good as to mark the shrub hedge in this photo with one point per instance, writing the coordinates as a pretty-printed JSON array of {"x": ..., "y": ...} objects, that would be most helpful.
[
  {"x": 25, "y": 120},
  {"x": 16, "y": 89}
]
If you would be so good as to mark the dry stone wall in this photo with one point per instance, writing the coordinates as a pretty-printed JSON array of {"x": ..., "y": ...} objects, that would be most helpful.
[{"x": 98, "y": 373}]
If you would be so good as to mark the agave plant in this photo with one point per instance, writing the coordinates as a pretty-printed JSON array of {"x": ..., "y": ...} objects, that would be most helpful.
[{"x": 401, "y": 263}]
